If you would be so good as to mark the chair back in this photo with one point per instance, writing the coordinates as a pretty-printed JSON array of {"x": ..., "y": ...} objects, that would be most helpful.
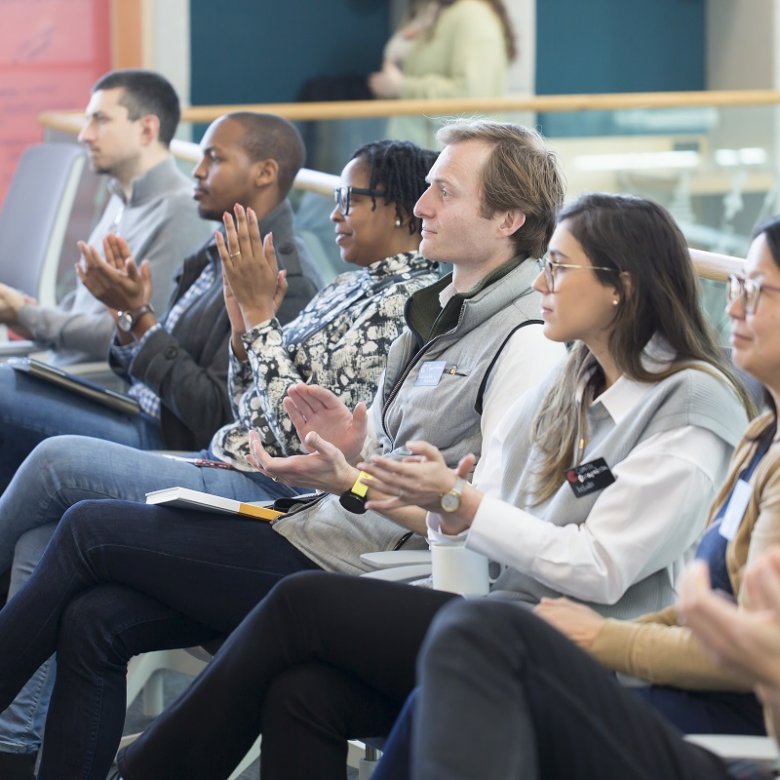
[{"x": 35, "y": 216}]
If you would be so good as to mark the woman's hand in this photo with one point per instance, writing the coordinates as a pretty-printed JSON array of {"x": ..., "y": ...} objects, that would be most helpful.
[
  {"x": 386, "y": 83},
  {"x": 323, "y": 468},
  {"x": 746, "y": 640},
  {"x": 578, "y": 622},
  {"x": 419, "y": 479},
  {"x": 117, "y": 281},
  {"x": 315, "y": 409},
  {"x": 249, "y": 266}
]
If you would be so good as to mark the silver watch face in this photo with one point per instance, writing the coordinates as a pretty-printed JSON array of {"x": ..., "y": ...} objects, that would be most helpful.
[
  {"x": 124, "y": 321},
  {"x": 450, "y": 502}
]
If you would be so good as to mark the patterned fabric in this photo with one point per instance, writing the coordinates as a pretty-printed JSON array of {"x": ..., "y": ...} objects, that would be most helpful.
[
  {"x": 146, "y": 397},
  {"x": 339, "y": 341}
]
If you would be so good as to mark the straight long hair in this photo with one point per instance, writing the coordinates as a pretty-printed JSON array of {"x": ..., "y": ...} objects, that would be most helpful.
[{"x": 658, "y": 294}]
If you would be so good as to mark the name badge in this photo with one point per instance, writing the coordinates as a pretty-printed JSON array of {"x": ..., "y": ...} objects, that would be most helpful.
[
  {"x": 430, "y": 373},
  {"x": 589, "y": 477},
  {"x": 735, "y": 511}
]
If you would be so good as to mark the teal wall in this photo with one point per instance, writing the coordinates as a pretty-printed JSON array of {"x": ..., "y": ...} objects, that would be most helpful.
[
  {"x": 247, "y": 51},
  {"x": 620, "y": 46}
]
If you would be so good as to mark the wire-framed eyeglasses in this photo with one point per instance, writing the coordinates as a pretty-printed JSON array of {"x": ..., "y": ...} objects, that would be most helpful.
[
  {"x": 342, "y": 195},
  {"x": 549, "y": 267},
  {"x": 749, "y": 290}
]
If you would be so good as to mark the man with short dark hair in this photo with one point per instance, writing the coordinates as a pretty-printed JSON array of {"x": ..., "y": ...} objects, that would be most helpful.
[{"x": 131, "y": 118}]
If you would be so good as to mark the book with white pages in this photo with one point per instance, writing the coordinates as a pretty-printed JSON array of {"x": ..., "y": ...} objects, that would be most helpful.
[{"x": 185, "y": 498}]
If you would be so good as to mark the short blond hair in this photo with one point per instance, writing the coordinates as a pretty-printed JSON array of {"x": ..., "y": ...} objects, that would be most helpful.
[{"x": 520, "y": 173}]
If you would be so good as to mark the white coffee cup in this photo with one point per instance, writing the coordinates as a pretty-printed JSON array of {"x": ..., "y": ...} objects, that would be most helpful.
[{"x": 457, "y": 569}]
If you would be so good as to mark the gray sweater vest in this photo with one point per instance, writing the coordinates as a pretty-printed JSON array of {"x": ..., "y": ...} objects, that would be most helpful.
[
  {"x": 689, "y": 397},
  {"x": 446, "y": 414}
]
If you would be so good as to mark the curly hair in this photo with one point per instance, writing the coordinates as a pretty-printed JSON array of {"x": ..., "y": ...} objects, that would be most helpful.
[{"x": 399, "y": 168}]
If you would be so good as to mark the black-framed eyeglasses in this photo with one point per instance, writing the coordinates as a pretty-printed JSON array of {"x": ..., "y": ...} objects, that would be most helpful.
[
  {"x": 342, "y": 196},
  {"x": 749, "y": 290},
  {"x": 549, "y": 267}
]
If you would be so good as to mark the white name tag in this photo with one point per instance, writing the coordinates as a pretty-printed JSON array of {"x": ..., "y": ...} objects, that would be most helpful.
[
  {"x": 430, "y": 373},
  {"x": 735, "y": 511}
]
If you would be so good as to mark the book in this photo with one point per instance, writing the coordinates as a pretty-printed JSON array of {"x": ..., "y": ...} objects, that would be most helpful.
[
  {"x": 75, "y": 384},
  {"x": 185, "y": 498}
]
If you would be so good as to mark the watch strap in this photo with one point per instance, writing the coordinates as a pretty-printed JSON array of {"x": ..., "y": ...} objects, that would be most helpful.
[
  {"x": 133, "y": 315},
  {"x": 354, "y": 499}
]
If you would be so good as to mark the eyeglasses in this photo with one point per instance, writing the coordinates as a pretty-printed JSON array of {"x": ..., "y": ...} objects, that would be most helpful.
[
  {"x": 549, "y": 267},
  {"x": 342, "y": 196},
  {"x": 749, "y": 290}
]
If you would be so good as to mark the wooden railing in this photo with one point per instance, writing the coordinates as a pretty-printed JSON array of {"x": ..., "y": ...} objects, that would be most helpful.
[
  {"x": 708, "y": 265},
  {"x": 360, "y": 109}
]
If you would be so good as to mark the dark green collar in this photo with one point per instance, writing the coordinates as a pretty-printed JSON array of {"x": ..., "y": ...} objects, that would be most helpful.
[{"x": 424, "y": 313}]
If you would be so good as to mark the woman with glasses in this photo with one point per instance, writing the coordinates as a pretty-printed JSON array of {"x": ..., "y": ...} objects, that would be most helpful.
[
  {"x": 683, "y": 686},
  {"x": 594, "y": 485}
]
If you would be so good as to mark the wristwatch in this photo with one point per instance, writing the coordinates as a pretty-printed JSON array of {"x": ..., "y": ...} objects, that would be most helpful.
[
  {"x": 354, "y": 500},
  {"x": 450, "y": 501},
  {"x": 126, "y": 319}
]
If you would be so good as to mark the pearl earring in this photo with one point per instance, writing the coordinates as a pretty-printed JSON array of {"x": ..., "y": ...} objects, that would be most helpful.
[
  {"x": 616, "y": 302},
  {"x": 398, "y": 222}
]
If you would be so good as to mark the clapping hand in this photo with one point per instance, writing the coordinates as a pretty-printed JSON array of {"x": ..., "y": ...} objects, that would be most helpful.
[
  {"x": 419, "y": 479},
  {"x": 11, "y": 301},
  {"x": 315, "y": 409},
  {"x": 249, "y": 267},
  {"x": 118, "y": 282},
  {"x": 745, "y": 640},
  {"x": 323, "y": 468}
]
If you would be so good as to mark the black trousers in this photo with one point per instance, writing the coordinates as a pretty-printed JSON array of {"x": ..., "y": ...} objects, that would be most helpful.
[
  {"x": 325, "y": 658},
  {"x": 503, "y": 696},
  {"x": 322, "y": 659}
]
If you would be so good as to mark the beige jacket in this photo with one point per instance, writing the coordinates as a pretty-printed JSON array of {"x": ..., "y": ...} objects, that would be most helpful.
[{"x": 654, "y": 647}]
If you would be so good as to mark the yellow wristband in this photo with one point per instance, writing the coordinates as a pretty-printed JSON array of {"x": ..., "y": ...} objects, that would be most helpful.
[{"x": 360, "y": 488}]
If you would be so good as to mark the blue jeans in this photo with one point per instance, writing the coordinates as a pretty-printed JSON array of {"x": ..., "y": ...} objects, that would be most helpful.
[
  {"x": 60, "y": 472},
  {"x": 31, "y": 410},
  {"x": 118, "y": 579}
]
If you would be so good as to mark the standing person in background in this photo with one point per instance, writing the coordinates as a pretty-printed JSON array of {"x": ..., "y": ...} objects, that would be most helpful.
[
  {"x": 448, "y": 49},
  {"x": 131, "y": 119}
]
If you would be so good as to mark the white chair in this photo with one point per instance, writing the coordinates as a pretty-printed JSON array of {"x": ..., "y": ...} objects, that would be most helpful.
[
  {"x": 760, "y": 750},
  {"x": 144, "y": 677}
]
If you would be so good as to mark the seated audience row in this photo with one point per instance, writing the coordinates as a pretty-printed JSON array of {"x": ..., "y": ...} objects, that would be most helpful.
[
  {"x": 339, "y": 340},
  {"x": 649, "y": 429},
  {"x": 477, "y": 324},
  {"x": 643, "y": 413}
]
